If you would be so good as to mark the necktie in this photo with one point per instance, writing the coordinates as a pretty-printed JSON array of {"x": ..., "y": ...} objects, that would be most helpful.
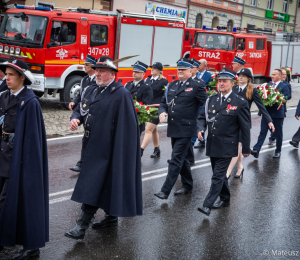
[
  {"x": 240, "y": 90},
  {"x": 223, "y": 99},
  {"x": 99, "y": 90},
  {"x": 274, "y": 84}
]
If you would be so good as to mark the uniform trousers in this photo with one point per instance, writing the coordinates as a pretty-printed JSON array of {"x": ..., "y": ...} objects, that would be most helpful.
[
  {"x": 179, "y": 164},
  {"x": 190, "y": 153},
  {"x": 296, "y": 137},
  {"x": 3, "y": 190},
  {"x": 90, "y": 209},
  {"x": 278, "y": 124},
  {"x": 83, "y": 148},
  {"x": 219, "y": 182}
]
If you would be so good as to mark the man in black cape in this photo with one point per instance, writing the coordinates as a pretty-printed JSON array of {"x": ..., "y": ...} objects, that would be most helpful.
[
  {"x": 24, "y": 194},
  {"x": 110, "y": 177}
]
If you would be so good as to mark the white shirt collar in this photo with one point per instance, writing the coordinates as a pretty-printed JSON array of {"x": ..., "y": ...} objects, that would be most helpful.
[
  {"x": 135, "y": 83},
  {"x": 226, "y": 96},
  {"x": 184, "y": 81},
  {"x": 18, "y": 92},
  {"x": 194, "y": 77},
  {"x": 276, "y": 84},
  {"x": 242, "y": 87},
  {"x": 154, "y": 78},
  {"x": 92, "y": 77}
]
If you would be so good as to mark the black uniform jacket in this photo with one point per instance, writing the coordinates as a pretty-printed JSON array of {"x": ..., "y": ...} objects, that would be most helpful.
[
  {"x": 110, "y": 176},
  {"x": 158, "y": 87},
  {"x": 84, "y": 83},
  {"x": 256, "y": 99},
  {"x": 3, "y": 86},
  {"x": 142, "y": 91},
  {"x": 183, "y": 110},
  {"x": 223, "y": 133},
  {"x": 9, "y": 110}
]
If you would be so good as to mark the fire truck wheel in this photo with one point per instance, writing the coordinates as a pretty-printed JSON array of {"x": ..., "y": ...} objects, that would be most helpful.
[
  {"x": 71, "y": 90},
  {"x": 38, "y": 93}
]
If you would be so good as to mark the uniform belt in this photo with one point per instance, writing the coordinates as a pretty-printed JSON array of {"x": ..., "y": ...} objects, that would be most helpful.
[
  {"x": 87, "y": 133},
  {"x": 5, "y": 136}
]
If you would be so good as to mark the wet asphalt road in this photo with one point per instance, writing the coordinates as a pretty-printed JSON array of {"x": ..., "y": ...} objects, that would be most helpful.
[{"x": 262, "y": 221}]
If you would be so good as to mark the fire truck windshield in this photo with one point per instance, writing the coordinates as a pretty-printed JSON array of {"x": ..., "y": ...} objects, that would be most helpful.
[
  {"x": 214, "y": 41},
  {"x": 24, "y": 30}
]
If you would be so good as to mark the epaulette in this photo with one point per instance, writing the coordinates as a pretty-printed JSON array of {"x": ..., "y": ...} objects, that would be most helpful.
[{"x": 240, "y": 97}]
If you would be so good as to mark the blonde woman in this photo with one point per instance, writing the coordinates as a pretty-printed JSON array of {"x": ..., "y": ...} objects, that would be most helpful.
[
  {"x": 247, "y": 90},
  {"x": 158, "y": 83}
]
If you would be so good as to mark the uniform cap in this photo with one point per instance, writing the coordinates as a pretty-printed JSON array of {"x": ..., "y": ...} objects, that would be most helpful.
[
  {"x": 238, "y": 60},
  {"x": 246, "y": 72},
  {"x": 90, "y": 59},
  {"x": 157, "y": 65},
  {"x": 196, "y": 63},
  {"x": 184, "y": 64},
  {"x": 105, "y": 62},
  {"x": 140, "y": 67},
  {"x": 226, "y": 74}
]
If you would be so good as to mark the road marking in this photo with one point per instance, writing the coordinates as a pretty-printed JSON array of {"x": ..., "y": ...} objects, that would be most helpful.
[
  {"x": 160, "y": 125},
  {"x": 61, "y": 199}
]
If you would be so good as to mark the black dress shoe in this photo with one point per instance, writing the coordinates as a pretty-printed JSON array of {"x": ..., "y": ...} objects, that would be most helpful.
[
  {"x": 75, "y": 169},
  {"x": 255, "y": 153},
  {"x": 78, "y": 232},
  {"x": 161, "y": 195},
  {"x": 106, "y": 221},
  {"x": 295, "y": 144},
  {"x": 182, "y": 191},
  {"x": 220, "y": 204},
  {"x": 26, "y": 253},
  {"x": 192, "y": 163},
  {"x": 276, "y": 155},
  {"x": 204, "y": 210},
  {"x": 271, "y": 142}
]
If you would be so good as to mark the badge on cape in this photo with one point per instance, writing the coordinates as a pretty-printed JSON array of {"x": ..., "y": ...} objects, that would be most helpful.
[
  {"x": 189, "y": 89},
  {"x": 228, "y": 100},
  {"x": 84, "y": 105},
  {"x": 187, "y": 83},
  {"x": 230, "y": 107},
  {"x": 22, "y": 103}
]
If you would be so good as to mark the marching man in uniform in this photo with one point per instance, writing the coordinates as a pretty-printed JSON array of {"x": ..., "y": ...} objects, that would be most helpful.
[
  {"x": 181, "y": 103},
  {"x": 24, "y": 193},
  {"x": 225, "y": 115},
  {"x": 110, "y": 176}
]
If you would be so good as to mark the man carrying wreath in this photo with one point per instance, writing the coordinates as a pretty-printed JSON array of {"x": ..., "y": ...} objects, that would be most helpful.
[{"x": 277, "y": 115}]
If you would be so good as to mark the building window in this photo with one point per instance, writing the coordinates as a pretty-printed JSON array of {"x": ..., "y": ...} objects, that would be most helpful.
[
  {"x": 215, "y": 22},
  {"x": 270, "y": 4},
  {"x": 229, "y": 26},
  {"x": 218, "y": 2},
  {"x": 285, "y": 8},
  {"x": 253, "y": 2},
  {"x": 198, "y": 23},
  {"x": 233, "y": 6}
]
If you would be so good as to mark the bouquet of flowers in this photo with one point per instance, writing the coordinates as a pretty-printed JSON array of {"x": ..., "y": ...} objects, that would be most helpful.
[
  {"x": 145, "y": 113},
  {"x": 214, "y": 84},
  {"x": 270, "y": 97}
]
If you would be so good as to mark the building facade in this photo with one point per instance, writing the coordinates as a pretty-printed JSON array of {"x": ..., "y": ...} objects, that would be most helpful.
[
  {"x": 213, "y": 13},
  {"x": 279, "y": 15}
]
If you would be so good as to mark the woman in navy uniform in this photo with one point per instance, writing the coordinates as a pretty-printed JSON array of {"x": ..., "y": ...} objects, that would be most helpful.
[
  {"x": 138, "y": 89},
  {"x": 158, "y": 84},
  {"x": 247, "y": 90},
  {"x": 224, "y": 116},
  {"x": 296, "y": 137}
]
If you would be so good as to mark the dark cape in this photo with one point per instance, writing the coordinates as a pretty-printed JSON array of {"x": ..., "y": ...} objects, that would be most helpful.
[
  {"x": 24, "y": 218},
  {"x": 110, "y": 176}
]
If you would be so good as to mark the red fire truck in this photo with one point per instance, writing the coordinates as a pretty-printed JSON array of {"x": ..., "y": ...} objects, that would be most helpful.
[
  {"x": 263, "y": 53},
  {"x": 54, "y": 43}
]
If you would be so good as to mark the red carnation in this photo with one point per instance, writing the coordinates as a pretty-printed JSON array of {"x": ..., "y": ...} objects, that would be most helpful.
[
  {"x": 147, "y": 108},
  {"x": 206, "y": 90},
  {"x": 213, "y": 90},
  {"x": 276, "y": 89},
  {"x": 137, "y": 110},
  {"x": 278, "y": 97},
  {"x": 257, "y": 87},
  {"x": 141, "y": 103},
  {"x": 268, "y": 93},
  {"x": 267, "y": 87}
]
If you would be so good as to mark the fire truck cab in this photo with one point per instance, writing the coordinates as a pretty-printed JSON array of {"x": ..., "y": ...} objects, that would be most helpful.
[{"x": 54, "y": 43}]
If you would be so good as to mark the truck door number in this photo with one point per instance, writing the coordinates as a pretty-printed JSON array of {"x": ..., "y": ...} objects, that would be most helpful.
[
  {"x": 98, "y": 51},
  {"x": 255, "y": 55}
]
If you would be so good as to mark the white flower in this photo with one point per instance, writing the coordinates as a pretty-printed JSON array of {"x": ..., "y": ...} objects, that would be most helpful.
[{"x": 148, "y": 112}]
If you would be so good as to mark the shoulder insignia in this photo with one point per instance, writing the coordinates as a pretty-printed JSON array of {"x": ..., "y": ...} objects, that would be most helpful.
[{"x": 22, "y": 103}]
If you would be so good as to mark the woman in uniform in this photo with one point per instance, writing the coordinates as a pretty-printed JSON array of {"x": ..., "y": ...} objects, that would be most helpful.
[
  {"x": 247, "y": 90},
  {"x": 158, "y": 84}
]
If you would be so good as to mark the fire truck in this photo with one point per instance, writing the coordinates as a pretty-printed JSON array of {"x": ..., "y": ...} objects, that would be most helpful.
[
  {"x": 54, "y": 42},
  {"x": 263, "y": 51}
]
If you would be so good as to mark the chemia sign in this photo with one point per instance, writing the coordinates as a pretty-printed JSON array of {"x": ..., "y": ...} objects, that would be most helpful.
[
  {"x": 277, "y": 16},
  {"x": 163, "y": 10}
]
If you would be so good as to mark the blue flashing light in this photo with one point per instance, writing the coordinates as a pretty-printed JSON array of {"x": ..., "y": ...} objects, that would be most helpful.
[
  {"x": 204, "y": 27},
  {"x": 33, "y": 7},
  {"x": 234, "y": 29}
]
